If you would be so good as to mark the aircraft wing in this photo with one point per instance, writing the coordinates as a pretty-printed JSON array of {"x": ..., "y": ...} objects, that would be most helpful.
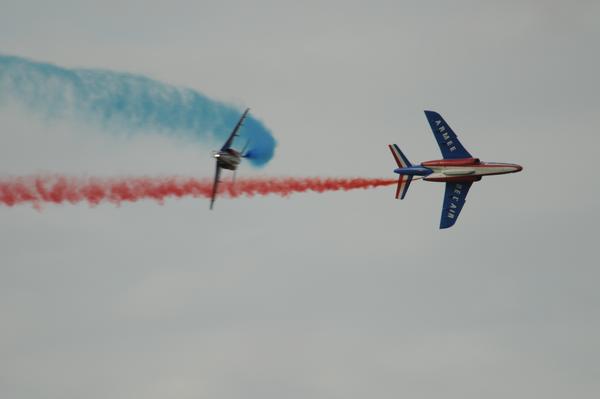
[
  {"x": 454, "y": 199},
  {"x": 235, "y": 131},
  {"x": 446, "y": 138},
  {"x": 215, "y": 186}
]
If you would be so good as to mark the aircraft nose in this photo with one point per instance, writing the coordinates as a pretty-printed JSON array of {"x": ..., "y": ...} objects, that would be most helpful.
[{"x": 518, "y": 168}]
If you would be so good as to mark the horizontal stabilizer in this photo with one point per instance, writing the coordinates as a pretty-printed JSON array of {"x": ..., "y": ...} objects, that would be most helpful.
[{"x": 403, "y": 184}]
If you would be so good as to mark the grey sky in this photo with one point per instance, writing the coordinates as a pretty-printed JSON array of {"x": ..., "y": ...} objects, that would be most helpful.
[{"x": 339, "y": 295}]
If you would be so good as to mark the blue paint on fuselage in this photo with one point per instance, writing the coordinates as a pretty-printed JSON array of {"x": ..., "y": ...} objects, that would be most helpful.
[{"x": 414, "y": 171}]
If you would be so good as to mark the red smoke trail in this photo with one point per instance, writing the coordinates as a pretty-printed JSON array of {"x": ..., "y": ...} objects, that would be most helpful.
[{"x": 60, "y": 189}]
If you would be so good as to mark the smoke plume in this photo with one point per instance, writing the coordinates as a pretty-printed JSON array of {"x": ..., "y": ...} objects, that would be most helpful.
[
  {"x": 58, "y": 189},
  {"x": 126, "y": 102}
]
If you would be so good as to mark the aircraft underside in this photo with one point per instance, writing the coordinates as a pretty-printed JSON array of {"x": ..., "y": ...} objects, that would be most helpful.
[
  {"x": 228, "y": 161},
  {"x": 459, "y": 170},
  {"x": 468, "y": 174}
]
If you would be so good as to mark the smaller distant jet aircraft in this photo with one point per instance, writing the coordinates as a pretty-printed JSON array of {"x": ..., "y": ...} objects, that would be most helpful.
[
  {"x": 227, "y": 157},
  {"x": 459, "y": 170}
]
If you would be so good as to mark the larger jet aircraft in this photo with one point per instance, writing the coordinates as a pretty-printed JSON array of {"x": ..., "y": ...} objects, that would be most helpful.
[{"x": 459, "y": 170}]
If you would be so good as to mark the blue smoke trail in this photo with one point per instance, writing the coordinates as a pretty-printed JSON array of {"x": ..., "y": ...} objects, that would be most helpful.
[{"x": 121, "y": 100}]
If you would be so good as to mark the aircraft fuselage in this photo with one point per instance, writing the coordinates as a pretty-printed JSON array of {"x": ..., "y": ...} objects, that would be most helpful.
[
  {"x": 228, "y": 159},
  {"x": 454, "y": 170}
]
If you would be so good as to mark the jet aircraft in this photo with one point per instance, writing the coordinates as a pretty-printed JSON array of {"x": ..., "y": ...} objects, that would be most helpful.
[
  {"x": 227, "y": 157},
  {"x": 458, "y": 169}
]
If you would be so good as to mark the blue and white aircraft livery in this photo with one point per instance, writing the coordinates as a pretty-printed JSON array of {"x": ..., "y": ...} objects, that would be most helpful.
[{"x": 458, "y": 169}]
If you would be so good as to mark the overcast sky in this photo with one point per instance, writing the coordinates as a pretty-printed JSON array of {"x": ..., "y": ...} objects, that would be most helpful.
[{"x": 335, "y": 295}]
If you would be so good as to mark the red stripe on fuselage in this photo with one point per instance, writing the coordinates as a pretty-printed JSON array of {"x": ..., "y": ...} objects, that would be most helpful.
[{"x": 451, "y": 162}]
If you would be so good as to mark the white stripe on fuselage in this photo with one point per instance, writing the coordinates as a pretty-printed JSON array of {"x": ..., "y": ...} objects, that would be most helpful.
[{"x": 453, "y": 171}]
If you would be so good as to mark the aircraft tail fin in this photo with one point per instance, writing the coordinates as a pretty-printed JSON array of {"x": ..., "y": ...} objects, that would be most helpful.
[
  {"x": 400, "y": 158},
  {"x": 403, "y": 184},
  {"x": 403, "y": 180}
]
